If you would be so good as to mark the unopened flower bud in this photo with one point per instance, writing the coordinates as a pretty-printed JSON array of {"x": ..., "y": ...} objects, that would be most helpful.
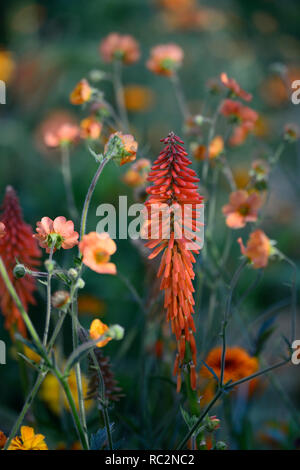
[
  {"x": 116, "y": 332},
  {"x": 60, "y": 299},
  {"x": 80, "y": 283},
  {"x": 19, "y": 271},
  {"x": 50, "y": 265},
  {"x": 291, "y": 133},
  {"x": 220, "y": 445},
  {"x": 212, "y": 423},
  {"x": 73, "y": 274},
  {"x": 199, "y": 120},
  {"x": 97, "y": 75}
]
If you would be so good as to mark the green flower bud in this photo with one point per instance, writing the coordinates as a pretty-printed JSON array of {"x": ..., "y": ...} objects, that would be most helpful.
[
  {"x": 80, "y": 283},
  {"x": 116, "y": 332},
  {"x": 73, "y": 274},
  {"x": 19, "y": 271},
  {"x": 220, "y": 445}
]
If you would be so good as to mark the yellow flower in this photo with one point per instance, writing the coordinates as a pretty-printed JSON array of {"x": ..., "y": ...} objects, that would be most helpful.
[
  {"x": 98, "y": 329},
  {"x": 28, "y": 440},
  {"x": 32, "y": 355},
  {"x": 81, "y": 93},
  {"x": 52, "y": 395}
]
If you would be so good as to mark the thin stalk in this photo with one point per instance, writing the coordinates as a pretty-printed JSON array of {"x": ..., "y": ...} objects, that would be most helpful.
[
  {"x": 48, "y": 311},
  {"x": 293, "y": 296},
  {"x": 232, "y": 286},
  {"x": 89, "y": 197},
  {"x": 119, "y": 94},
  {"x": 67, "y": 176},
  {"x": 25, "y": 408},
  {"x": 180, "y": 96}
]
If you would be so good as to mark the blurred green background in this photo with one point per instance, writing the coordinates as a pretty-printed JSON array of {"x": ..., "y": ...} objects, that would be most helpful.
[{"x": 51, "y": 46}]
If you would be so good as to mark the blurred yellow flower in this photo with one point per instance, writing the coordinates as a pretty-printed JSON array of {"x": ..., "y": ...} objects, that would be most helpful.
[
  {"x": 32, "y": 355},
  {"x": 52, "y": 395},
  {"x": 28, "y": 440}
]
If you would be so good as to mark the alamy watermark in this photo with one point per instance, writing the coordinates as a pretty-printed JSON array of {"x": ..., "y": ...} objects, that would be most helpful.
[
  {"x": 296, "y": 354},
  {"x": 2, "y": 92},
  {"x": 155, "y": 221},
  {"x": 295, "y": 97},
  {"x": 2, "y": 352}
]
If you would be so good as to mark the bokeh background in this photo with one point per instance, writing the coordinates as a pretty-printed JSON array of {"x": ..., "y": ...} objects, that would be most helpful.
[{"x": 46, "y": 48}]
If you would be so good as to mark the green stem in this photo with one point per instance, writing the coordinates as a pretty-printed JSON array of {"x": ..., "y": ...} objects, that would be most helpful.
[
  {"x": 67, "y": 176},
  {"x": 48, "y": 311},
  {"x": 25, "y": 408},
  {"x": 89, "y": 197},
  {"x": 119, "y": 93},
  {"x": 180, "y": 96}
]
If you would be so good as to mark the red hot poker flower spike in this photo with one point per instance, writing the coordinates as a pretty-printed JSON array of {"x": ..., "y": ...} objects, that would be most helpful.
[
  {"x": 174, "y": 184},
  {"x": 18, "y": 243}
]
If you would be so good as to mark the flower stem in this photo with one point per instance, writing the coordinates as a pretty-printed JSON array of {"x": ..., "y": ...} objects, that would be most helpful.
[
  {"x": 119, "y": 93},
  {"x": 89, "y": 196},
  {"x": 180, "y": 96},
  {"x": 48, "y": 311},
  {"x": 26, "y": 407},
  {"x": 67, "y": 176}
]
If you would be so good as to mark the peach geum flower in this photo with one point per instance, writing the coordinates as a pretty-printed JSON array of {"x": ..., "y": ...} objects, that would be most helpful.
[
  {"x": 120, "y": 47},
  {"x": 258, "y": 248},
  {"x": 137, "y": 174},
  {"x": 235, "y": 88},
  {"x": 28, "y": 440},
  {"x": 82, "y": 92},
  {"x": 242, "y": 208},
  {"x": 96, "y": 249},
  {"x": 165, "y": 59},
  {"x": 90, "y": 128},
  {"x": 128, "y": 147},
  {"x": 244, "y": 116},
  {"x": 97, "y": 330},
  {"x": 59, "y": 231},
  {"x": 65, "y": 134}
]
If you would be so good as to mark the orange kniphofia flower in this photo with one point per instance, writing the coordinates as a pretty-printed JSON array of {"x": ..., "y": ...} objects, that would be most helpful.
[
  {"x": 28, "y": 440},
  {"x": 242, "y": 208},
  {"x": 97, "y": 330},
  {"x": 120, "y": 47},
  {"x": 90, "y": 128},
  {"x": 82, "y": 92},
  {"x": 16, "y": 244},
  {"x": 165, "y": 59},
  {"x": 96, "y": 249},
  {"x": 174, "y": 185},
  {"x": 238, "y": 365},
  {"x": 58, "y": 232},
  {"x": 65, "y": 134},
  {"x": 235, "y": 88},
  {"x": 258, "y": 248},
  {"x": 128, "y": 150}
]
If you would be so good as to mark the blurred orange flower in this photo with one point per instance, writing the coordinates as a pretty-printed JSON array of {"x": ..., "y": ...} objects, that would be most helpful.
[
  {"x": 81, "y": 93},
  {"x": 242, "y": 115},
  {"x": 235, "y": 88},
  {"x": 215, "y": 148},
  {"x": 138, "y": 98},
  {"x": 165, "y": 59},
  {"x": 97, "y": 249},
  {"x": 120, "y": 47},
  {"x": 242, "y": 208},
  {"x": 137, "y": 174},
  {"x": 7, "y": 66},
  {"x": 58, "y": 231},
  {"x": 258, "y": 249},
  {"x": 98, "y": 329},
  {"x": 64, "y": 135},
  {"x": 90, "y": 128},
  {"x": 90, "y": 305},
  {"x": 238, "y": 365}
]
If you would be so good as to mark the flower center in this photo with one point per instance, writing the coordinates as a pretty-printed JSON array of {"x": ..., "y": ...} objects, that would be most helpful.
[
  {"x": 244, "y": 210},
  {"x": 101, "y": 256}
]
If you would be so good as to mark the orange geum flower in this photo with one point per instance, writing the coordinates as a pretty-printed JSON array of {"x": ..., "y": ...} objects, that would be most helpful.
[
  {"x": 165, "y": 59},
  {"x": 82, "y": 92},
  {"x": 2, "y": 230},
  {"x": 138, "y": 98},
  {"x": 98, "y": 329},
  {"x": 235, "y": 88},
  {"x": 3, "y": 439},
  {"x": 96, "y": 249},
  {"x": 120, "y": 47},
  {"x": 58, "y": 232},
  {"x": 65, "y": 134},
  {"x": 258, "y": 248},
  {"x": 28, "y": 440},
  {"x": 90, "y": 128},
  {"x": 242, "y": 208},
  {"x": 121, "y": 147},
  {"x": 137, "y": 174},
  {"x": 216, "y": 147}
]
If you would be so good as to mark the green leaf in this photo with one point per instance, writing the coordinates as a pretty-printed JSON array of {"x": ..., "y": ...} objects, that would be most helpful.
[{"x": 78, "y": 354}]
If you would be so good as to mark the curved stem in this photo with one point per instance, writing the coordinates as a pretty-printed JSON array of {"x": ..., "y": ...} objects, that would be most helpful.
[
  {"x": 89, "y": 197},
  {"x": 48, "y": 311}
]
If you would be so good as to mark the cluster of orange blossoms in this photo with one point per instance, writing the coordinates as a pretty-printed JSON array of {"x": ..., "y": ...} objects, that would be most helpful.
[
  {"x": 16, "y": 243},
  {"x": 174, "y": 184},
  {"x": 244, "y": 116}
]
